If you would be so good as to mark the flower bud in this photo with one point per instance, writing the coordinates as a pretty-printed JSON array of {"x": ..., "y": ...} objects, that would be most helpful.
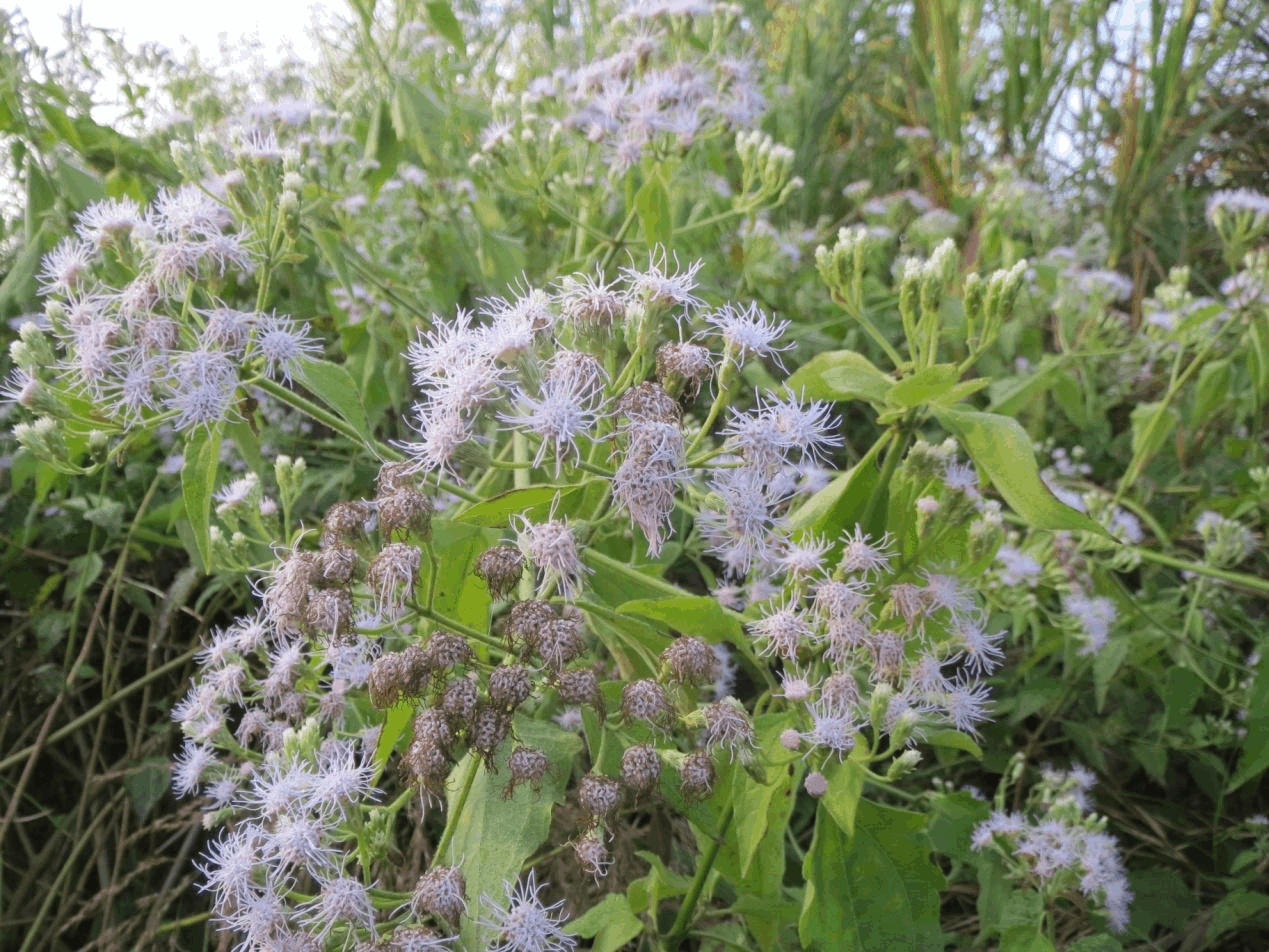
[
  {"x": 816, "y": 784},
  {"x": 903, "y": 764}
]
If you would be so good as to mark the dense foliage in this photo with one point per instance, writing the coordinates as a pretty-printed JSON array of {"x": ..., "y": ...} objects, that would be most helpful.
[{"x": 640, "y": 475}]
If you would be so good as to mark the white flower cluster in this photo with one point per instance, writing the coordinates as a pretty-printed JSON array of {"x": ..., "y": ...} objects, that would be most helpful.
[
  {"x": 1061, "y": 845},
  {"x": 652, "y": 89},
  {"x": 137, "y": 329}
]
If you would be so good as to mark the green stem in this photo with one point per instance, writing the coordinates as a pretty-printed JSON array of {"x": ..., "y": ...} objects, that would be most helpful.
[
  {"x": 456, "y": 809},
  {"x": 1250, "y": 582},
  {"x": 678, "y": 931},
  {"x": 898, "y": 446}
]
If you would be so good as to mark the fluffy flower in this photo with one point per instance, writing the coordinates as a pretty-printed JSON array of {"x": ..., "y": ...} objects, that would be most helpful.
[{"x": 523, "y": 923}]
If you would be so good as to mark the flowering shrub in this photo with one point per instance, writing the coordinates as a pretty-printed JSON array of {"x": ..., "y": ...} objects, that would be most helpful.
[{"x": 630, "y": 475}]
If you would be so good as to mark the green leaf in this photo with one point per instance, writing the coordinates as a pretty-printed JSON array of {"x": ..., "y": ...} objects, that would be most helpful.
[
  {"x": 1011, "y": 394},
  {"x": 416, "y": 115},
  {"x": 495, "y": 835},
  {"x": 924, "y": 386},
  {"x": 1239, "y": 908},
  {"x": 841, "y": 375},
  {"x": 1151, "y": 425},
  {"x": 1106, "y": 665},
  {"x": 653, "y": 205},
  {"x": 496, "y": 511},
  {"x": 1096, "y": 943},
  {"x": 394, "y": 722},
  {"x": 845, "y": 787},
  {"x": 876, "y": 891},
  {"x": 1160, "y": 896},
  {"x": 198, "y": 477},
  {"x": 610, "y": 924},
  {"x": 146, "y": 786},
  {"x": 442, "y": 16},
  {"x": 1211, "y": 393},
  {"x": 955, "y": 740},
  {"x": 1001, "y": 447},
  {"x": 697, "y": 615},
  {"x": 459, "y": 593},
  {"x": 753, "y": 801},
  {"x": 82, "y": 187},
  {"x": 334, "y": 386},
  {"x": 81, "y": 573},
  {"x": 953, "y": 819}
]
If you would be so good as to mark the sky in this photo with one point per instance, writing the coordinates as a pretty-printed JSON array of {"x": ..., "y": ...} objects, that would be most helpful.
[{"x": 167, "y": 22}]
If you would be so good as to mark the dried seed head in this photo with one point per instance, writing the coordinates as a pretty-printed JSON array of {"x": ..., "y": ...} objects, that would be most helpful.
[
  {"x": 394, "y": 477},
  {"x": 559, "y": 642},
  {"x": 580, "y": 687},
  {"x": 345, "y": 522},
  {"x": 589, "y": 304},
  {"x": 683, "y": 367},
  {"x": 646, "y": 701},
  {"x": 431, "y": 726},
  {"x": 391, "y": 576},
  {"x": 697, "y": 776},
  {"x": 427, "y": 764},
  {"x": 840, "y": 691},
  {"x": 488, "y": 728},
  {"x": 286, "y": 598},
  {"x": 526, "y": 765},
  {"x": 406, "y": 510},
  {"x": 329, "y": 611},
  {"x": 553, "y": 549},
  {"x": 689, "y": 660},
  {"x": 525, "y": 620},
  {"x": 444, "y": 650},
  {"x": 593, "y": 855},
  {"x": 408, "y": 939},
  {"x": 459, "y": 701},
  {"x": 509, "y": 687},
  {"x": 387, "y": 675},
  {"x": 339, "y": 562},
  {"x": 599, "y": 796},
  {"x": 727, "y": 728},
  {"x": 579, "y": 371},
  {"x": 418, "y": 670},
  {"x": 649, "y": 402},
  {"x": 500, "y": 567},
  {"x": 641, "y": 768},
  {"x": 441, "y": 891}
]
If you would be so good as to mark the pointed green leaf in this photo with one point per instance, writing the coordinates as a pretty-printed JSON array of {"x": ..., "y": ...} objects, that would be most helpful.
[
  {"x": 198, "y": 478},
  {"x": 1001, "y": 447},
  {"x": 841, "y": 375},
  {"x": 495, "y": 835},
  {"x": 497, "y": 511},
  {"x": 876, "y": 891},
  {"x": 334, "y": 386},
  {"x": 610, "y": 924},
  {"x": 442, "y": 16},
  {"x": 653, "y": 204}
]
